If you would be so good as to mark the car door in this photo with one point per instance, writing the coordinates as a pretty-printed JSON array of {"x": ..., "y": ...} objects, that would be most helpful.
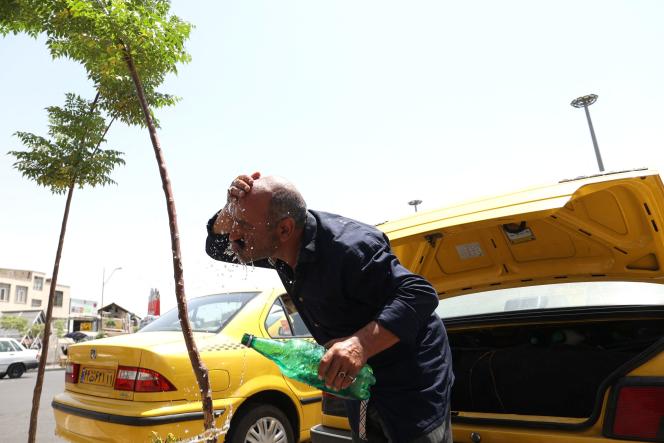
[
  {"x": 7, "y": 353},
  {"x": 283, "y": 322}
]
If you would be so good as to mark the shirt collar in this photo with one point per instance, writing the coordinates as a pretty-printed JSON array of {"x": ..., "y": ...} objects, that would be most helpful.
[{"x": 308, "y": 245}]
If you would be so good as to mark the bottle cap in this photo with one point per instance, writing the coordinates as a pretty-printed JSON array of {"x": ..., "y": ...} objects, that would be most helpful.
[{"x": 247, "y": 339}]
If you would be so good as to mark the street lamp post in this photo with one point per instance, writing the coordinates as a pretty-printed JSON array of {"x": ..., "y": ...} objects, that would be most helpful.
[
  {"x": 414, "y": 203},
  {"x": 105, "y": 280},
  {"x": 584, "y": 102}
]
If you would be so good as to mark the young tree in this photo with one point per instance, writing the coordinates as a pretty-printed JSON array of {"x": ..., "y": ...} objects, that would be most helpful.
[
  {"x": 70, "y": 157},
  {"x": 127, "y": 48},
  {"x": 13, "y": 322},
  {"x": 59, "y": 326}
]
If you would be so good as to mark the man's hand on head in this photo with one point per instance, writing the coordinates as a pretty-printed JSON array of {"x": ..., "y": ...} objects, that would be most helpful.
[
  {"x": 238, "y": 189},
  {"x": 241, "y": 186}
]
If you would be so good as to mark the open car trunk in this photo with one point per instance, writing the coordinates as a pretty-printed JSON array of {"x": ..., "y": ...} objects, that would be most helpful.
[
  {"x": 548, "y": 363},
  {"x": 552, "y": 353}
]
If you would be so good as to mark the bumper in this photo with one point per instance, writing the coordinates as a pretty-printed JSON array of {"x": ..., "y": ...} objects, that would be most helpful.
[
  {"x": 79, "y": 419},
  {"x": 31, "y": 364},
  {"x": 129, "y": 420},
  {"x": 324, "y": 434}
]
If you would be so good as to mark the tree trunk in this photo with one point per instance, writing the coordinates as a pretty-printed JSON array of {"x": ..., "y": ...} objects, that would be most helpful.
[
  {"x": 198, "y": 366},
  {"x": 36, "y": 396}
]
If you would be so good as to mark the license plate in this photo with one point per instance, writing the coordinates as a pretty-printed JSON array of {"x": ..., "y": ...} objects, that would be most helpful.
[{"x": 99, "y": 377}]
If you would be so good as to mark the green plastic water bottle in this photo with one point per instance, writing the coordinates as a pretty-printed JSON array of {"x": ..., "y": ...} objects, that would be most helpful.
[{"x": 299, "y": 359}]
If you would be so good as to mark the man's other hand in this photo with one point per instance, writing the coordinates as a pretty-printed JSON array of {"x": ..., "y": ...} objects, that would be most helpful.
[{"x": 341, "y": 363}]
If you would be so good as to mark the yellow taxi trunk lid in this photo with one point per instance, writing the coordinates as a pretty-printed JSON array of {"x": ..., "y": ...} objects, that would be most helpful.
[
  {"x": 608, "y": 227},
  {"x": 161, "y": 351}
]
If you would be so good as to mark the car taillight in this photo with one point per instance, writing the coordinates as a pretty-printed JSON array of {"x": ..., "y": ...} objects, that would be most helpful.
[
  {"x": 126, "y": 378},
  {"x": 151, "y": 381},
  {"x": 141, "y": 380},
  {"x": 71, "y": 372},
  {"x": 639, "y": 412}
]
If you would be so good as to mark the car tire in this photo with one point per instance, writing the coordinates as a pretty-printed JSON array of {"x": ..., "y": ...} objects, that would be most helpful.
[
  {"x": 15, "y": 370},
  {"x": 262, "y": 423},
  {"x": 2, "y": 375}
]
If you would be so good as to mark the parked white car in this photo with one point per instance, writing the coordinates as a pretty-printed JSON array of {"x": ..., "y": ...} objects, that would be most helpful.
[{"x": 15, "y": 359}]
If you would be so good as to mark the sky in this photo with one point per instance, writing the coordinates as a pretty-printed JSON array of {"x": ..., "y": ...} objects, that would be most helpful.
[{"x": 363, "y": 105}]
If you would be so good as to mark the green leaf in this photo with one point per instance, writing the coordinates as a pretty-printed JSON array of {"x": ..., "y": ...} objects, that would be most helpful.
[
  {"x": 99, "y": 34},
  {"x": 72, "y": 154}
]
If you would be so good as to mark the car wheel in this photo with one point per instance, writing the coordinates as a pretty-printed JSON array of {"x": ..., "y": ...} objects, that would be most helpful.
[
  {"x": 2, "y": 375},
  {"x": 15, "y": 371},
  {"x": 262, "y": 423}
]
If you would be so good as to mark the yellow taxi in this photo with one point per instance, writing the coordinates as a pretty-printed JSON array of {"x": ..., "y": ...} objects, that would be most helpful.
[
  {"x": 554, "y": 306},
  {"x": 123, "y": 388}
]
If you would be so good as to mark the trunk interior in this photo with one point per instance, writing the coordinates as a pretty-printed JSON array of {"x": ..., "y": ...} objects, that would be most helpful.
[{"x": 548, "y": 363}]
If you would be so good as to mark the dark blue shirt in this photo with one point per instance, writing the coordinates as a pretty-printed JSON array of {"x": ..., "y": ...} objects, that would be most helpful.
[{"x": 347, "y": 276}]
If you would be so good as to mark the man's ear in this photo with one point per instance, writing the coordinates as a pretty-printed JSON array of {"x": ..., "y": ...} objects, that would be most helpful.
[{"x": 286, "y": 228}]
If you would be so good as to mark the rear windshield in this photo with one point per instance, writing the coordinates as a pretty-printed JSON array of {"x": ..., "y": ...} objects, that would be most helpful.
[
  {"x": 563, "y": 295},
  {"x": 206, "y": 314}
]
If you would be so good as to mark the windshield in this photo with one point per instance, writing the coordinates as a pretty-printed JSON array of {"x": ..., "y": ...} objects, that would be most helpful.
[
  {"x": 563, "y": 295},
  {"x": 206, "y": 314}
]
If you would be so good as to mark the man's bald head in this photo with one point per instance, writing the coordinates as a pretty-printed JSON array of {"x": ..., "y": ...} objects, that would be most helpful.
[{"x": 286, "y": 200}]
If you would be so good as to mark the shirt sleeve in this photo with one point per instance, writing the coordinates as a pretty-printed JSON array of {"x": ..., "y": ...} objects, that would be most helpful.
[
  {"x": 217, "y": 246},
  {"x": 374, "y": 275}
]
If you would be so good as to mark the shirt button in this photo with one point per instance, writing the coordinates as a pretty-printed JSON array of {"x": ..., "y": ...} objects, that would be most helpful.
[
  {"x": 301, "y": 299},
  {"x": 316, "y": 324}
]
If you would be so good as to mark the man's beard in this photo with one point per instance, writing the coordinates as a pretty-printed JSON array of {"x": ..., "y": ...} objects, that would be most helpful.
[{"x": 247, "y": 254}]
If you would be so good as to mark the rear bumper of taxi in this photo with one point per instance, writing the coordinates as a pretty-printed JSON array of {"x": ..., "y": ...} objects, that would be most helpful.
[
  {"x": 81, "y": 419},
  {"x": 324, "y": 434},
  {"x": 130, "y": 421}
]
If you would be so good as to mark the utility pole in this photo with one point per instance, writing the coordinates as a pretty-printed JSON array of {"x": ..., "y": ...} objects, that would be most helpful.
[
  {"x": 584, "y": 102},
  {"x": 105, "y": 280},
  {"x": 414, "y": 203}
]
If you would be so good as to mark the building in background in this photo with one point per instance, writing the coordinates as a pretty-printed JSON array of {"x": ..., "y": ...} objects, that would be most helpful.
[
  {"x": 83, "y": 315},
  {"x": 24, "y": 294},
  {"x": 116, "y": 320},
  {"x": 22, "y": 290}
]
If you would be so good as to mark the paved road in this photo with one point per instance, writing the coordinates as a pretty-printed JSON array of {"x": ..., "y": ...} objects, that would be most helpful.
[{"x": 16, "y": 402}]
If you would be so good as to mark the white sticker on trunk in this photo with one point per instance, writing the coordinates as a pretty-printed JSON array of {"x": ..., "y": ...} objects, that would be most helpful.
[
  {"x": 520, "y": 237},
  {"x": 469, "y": 250}
]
